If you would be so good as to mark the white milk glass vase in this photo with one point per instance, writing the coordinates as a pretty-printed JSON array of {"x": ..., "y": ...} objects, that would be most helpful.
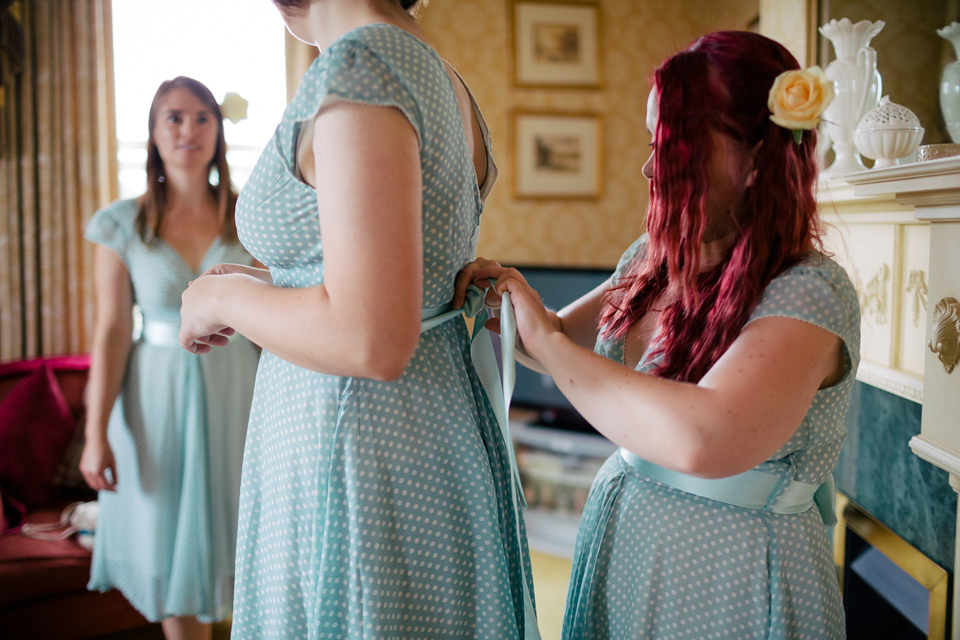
[
  {"x": 858, "y": 85},
  {"x": 950, "y": 83}
]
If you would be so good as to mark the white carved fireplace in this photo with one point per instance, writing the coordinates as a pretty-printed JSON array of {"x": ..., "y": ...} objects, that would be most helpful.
[{"x": 897, "y": 231}]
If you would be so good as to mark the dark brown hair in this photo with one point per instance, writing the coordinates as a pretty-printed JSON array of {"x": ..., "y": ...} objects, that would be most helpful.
[
  {"x": 151, "y": 205},
  {"x": 410, "y": 6}
]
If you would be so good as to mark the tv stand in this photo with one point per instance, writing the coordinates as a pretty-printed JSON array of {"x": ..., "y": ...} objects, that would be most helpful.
[
  {"x": 559, "y": 437},
  {"x": 562, "y": 418},
  {"x": 557, "y": 466}
]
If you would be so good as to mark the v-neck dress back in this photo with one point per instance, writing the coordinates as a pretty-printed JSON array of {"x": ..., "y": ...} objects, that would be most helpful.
[
  {"x": 166, "y": 537},
  {"x": 376, "y": 509}
]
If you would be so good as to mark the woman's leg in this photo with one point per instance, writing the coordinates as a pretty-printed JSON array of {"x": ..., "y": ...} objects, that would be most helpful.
[{"x": 182, "y": 628}]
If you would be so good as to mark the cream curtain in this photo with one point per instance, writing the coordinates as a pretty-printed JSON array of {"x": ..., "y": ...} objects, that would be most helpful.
[{"x": 58, "y": 165}]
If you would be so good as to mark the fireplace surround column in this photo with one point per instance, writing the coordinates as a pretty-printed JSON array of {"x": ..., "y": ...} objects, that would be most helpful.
[{"x": 933, "y": 190}]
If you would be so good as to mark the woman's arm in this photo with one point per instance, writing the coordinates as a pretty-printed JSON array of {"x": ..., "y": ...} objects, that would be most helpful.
[
  {"x": 742, "y": 411},
  {"x": 112, "y": 339},
  {"x": 364, "y": 320},
  {"x": 577, "y": 321}
]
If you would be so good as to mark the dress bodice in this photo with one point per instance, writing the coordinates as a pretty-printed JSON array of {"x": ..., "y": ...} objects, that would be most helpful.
[{"x": 381, "y": 65}]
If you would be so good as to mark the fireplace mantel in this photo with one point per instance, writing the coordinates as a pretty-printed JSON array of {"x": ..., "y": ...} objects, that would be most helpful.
[{"x": 897, "y": 232}]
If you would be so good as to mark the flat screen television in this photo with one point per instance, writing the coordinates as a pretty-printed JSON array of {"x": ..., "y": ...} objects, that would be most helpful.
[{"x": 557, "y": 286}]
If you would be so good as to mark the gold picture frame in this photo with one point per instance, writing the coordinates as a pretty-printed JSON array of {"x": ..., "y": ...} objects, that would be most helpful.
[
  {"x": 557, "y": 155},
  {"x": 556, "y": 44}
]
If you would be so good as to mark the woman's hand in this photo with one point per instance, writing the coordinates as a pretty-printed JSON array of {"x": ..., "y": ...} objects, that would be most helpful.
[
  {"x": 479, "y": 273},
  {"x": 533, "y": 319},
  {"x": 200, "y": 330},
  {"x": 534, "y": 322},
  {"x": 98, "y": 466},
  {"x": 228, "y": 268}
]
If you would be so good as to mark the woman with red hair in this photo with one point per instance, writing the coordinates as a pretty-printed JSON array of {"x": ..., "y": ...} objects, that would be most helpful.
[{"x": 720, "y": 358}]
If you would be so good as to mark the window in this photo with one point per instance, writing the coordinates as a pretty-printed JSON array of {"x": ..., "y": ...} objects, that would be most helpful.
[{"x": 229, "y": 45}]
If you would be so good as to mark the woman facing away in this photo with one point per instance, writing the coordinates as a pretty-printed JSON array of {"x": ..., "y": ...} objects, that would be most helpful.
[
  {"x": 165, "y": 428},
  {"x": 377, "y": 496},
  {"x": 720, "y": 357}
]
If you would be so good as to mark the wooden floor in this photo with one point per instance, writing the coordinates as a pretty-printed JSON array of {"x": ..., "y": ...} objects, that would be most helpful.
[{"x": 550, "y": 576}]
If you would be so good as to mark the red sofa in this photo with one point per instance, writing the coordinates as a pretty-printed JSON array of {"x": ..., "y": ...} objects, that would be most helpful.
[{"x": 43, "y": 582}]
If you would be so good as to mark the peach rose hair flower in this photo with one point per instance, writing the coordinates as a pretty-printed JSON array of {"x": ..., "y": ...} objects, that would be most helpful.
[{"x": 798, "y": 99}]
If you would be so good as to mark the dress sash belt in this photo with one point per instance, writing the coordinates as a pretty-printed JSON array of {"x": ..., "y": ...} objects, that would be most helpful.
[
  {"x": 159, "y": 333},
  {"x": 751, "y": 489},
  {"x": 499, "y": 391}
]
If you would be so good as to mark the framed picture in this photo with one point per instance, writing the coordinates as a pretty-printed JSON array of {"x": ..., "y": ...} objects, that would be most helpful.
[
  {"x": 556, "y": 44},
  {"x": 557, "y": 155}
]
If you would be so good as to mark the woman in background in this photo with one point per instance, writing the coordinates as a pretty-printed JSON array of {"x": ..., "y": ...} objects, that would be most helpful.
[
  {"x": 720, "y": 357},
  {"x": 165, "y": 428},
  {"x": 378, "y": 498}
]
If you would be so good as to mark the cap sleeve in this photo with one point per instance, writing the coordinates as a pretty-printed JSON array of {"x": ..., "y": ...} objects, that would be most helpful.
[
  {"x": 633, "y": 253},
  {"x": 352, "y": 70},
  {"x": 818, "y": 291},
  {"x": 113, "y": 227}
]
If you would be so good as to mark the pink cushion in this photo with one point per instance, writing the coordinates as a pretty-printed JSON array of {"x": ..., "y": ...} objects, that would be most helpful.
[
  {"x": 35, "y": 427},
  {"x": 68, "y": 474}
]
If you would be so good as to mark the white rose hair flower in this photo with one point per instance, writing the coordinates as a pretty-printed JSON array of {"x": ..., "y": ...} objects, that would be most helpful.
[
  {"x": 798, "y": 99},
  {"x": 233, "y": 107}
]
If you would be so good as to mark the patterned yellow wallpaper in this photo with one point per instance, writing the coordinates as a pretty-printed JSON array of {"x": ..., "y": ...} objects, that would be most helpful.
[{"x": 635, "y": 35}]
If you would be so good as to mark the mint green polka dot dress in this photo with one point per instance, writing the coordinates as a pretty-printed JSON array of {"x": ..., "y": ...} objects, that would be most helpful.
[
  {"x": 376, "y": 509},
  {"x": 652, "y": 561},
  {"x": 166, "y": 537}
]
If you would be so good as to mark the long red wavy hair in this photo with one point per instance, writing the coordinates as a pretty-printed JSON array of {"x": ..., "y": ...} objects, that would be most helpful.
[{"x": 719, "y": 83}]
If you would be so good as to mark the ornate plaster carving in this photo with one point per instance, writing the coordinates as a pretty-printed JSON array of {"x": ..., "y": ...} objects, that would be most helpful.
[
  {"x": 945, "y": 333},
  {"x": 917, "y": 284},
  {"x": 873, "y": 296}
]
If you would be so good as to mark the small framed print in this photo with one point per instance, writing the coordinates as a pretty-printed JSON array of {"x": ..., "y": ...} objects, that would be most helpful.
[
  {"x": 557, "y": 155},
  {"x": 556, "y": 44}
]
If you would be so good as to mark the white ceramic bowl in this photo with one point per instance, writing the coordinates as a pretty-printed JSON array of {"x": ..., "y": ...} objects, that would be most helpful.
[
  {"x": 937, "y": 151},
  {"x": 886, "y": 145},
  {"x": 887, "y": 132}
]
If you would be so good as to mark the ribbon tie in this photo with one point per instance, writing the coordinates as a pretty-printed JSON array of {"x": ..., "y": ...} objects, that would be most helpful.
[{"x": 499, "y": 391}]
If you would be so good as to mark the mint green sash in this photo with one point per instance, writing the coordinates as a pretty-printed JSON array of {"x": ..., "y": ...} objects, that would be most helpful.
[
  {"x": 499, "y": 391},
  {"x": 481, "y": 349},
  {"x": 751, "y": 489}
]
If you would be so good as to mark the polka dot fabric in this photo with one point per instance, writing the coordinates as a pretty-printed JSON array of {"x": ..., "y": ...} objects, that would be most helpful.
[
  {"x": 166, "y": 537},
  {"x": 652, "y": 561},
  {"x": 376, "y": 509}
]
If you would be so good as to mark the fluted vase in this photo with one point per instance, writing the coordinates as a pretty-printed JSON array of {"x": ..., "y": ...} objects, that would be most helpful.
[
  {"x": 857, "y": 84},
  {"x": 950, "y": 83}
]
